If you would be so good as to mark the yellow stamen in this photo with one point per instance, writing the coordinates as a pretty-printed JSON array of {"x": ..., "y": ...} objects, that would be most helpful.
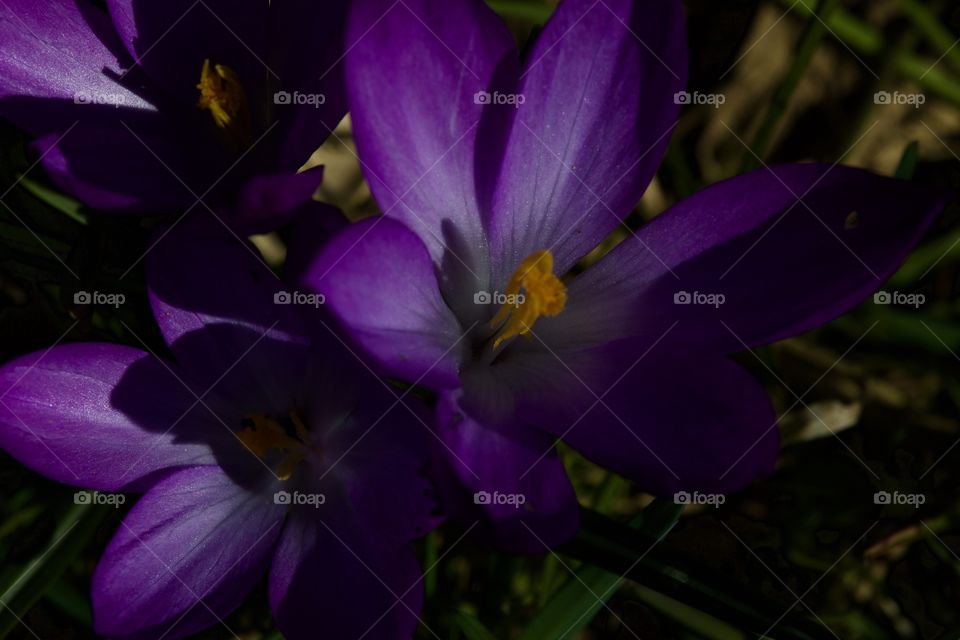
[
  {"x": 266, "y": 434},
  {"x": 288, "y": 464},
  {"x": 222, "y": 94},
  {"x": 543, "y": 295}
]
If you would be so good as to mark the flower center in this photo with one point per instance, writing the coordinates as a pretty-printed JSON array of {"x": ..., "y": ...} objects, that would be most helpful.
[
  {"x": 265, "y": 433},
  {"x": 222, "y": 94},
  {"x": 543, "y": 295}
]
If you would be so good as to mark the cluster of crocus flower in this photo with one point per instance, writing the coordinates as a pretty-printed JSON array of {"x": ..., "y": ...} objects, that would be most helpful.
[
  {"x": 262, "y": 447},
  {"x": 496, "y": 176},
  {"x": 160, "y": 107},
  {"x": 467, "y": 284}
]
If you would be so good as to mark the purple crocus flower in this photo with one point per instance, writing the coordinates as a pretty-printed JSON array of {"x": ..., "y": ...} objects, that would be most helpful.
[
  {"x": 497, "y": 177},
  {"x": 161, "y": 104},
  {"x": 260, "y": 451}
]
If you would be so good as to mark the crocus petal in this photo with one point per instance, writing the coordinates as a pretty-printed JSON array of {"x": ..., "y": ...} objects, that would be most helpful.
[
  {"x": 540, "y": 383},
  {"x": 376, "y": 500},
  {"x": 68, "y": 413},
  {"x": 230, "y": 321},
  {"x": 267, "y": 202},
  {"x": 171, "y": 39},
  {"x": 381, "y": 599},
  {"x": 679, "y": 422},
  {"x": 782, "y": 265},
  {"x": 378, "y": 280},
  {"x": 186, "y": 556},
  {"x": 381, "y": 453},
  {"x": 505, "y": 482},
  {"x": 310, "y": 230},
  {"x": 60, "y": 59},
  {"x": 598, "y": 109},
  {"x": 374, "y": 443},
  {"x": 314, "y": 72},
  {"x": 113, "y": 168},
  {"x": 415, "y": 115}
]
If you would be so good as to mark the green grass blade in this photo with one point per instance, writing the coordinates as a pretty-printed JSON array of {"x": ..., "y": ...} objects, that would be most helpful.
[
  {"x": 69, "y": 600},
  {"x": 865, "y": 39},
  {"x": 63, "y": 203},
  {"x": 472, "y": 628},
  {"x": 814, "y": 34},
  {"x": 908, "y": 162},
  {"x": 27, "y": 585},
  {"x": 928, "y": 24},
  {"x": 617, "y": 547},
  {"x": 703, "y": 624},
  {"x": 939, "y": 252},
  {"x": 575, "y": 604}
]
